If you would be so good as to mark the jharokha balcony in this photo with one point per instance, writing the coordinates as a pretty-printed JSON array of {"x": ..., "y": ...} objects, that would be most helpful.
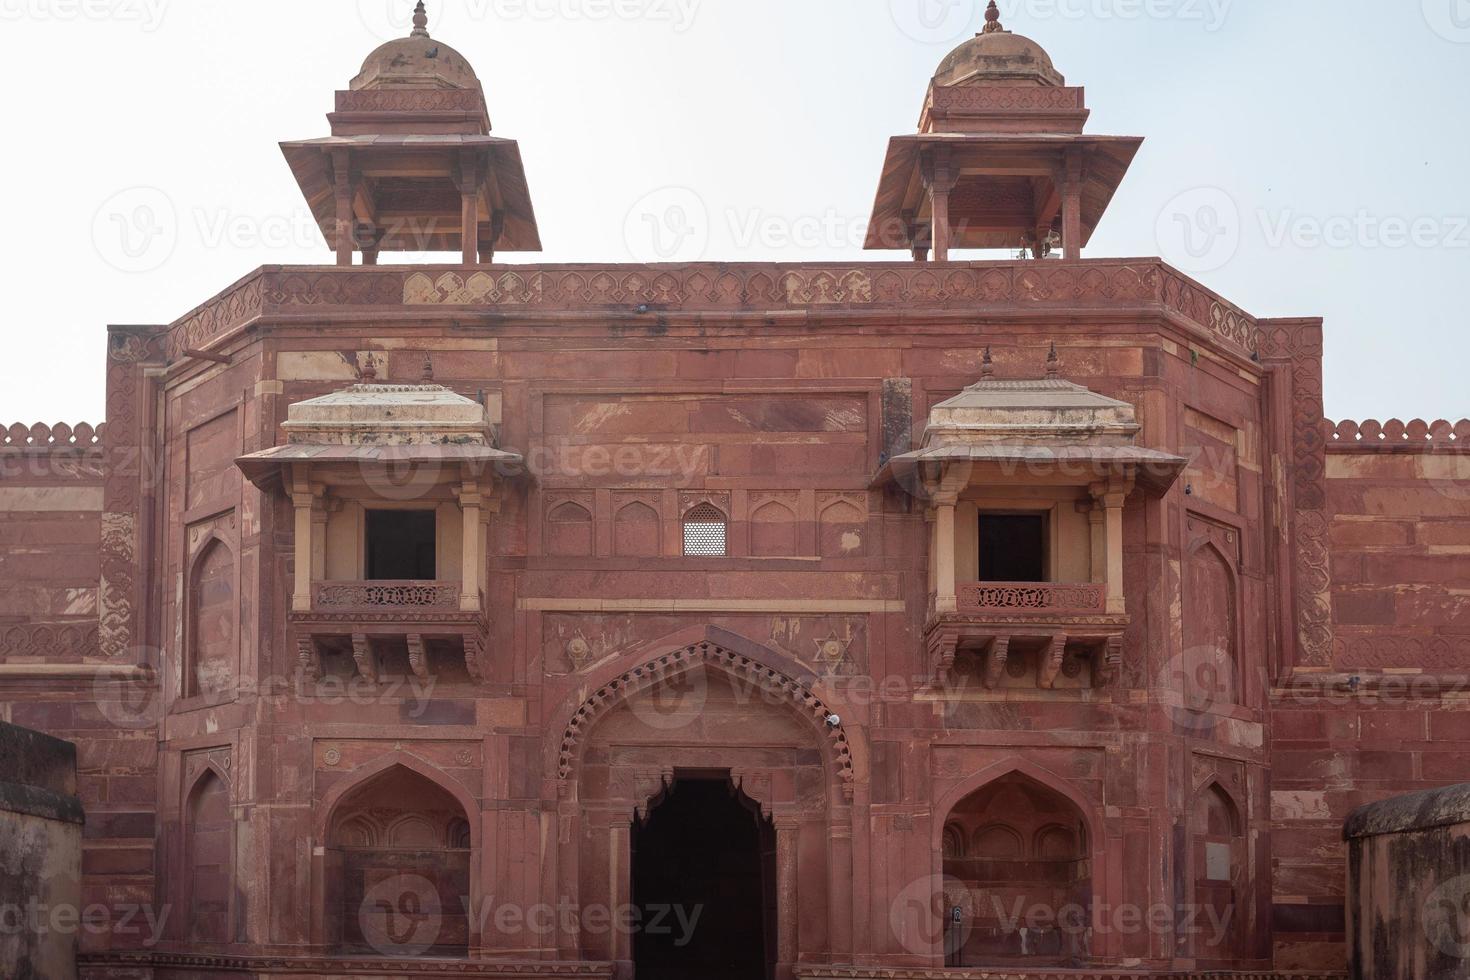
[
  {"x": 392, "y": 488},
  {"x": 1026, "y": 484},
  {"x": 1027, "y": 634},
  {"x": 371, "y": 627}
]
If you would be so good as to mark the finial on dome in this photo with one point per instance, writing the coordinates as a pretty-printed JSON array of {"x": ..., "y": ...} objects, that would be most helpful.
[
  {"x": 420, "y": 21},
  {"x": 987, "y": 366},
  {"x": 992, "y": 19},
  {"x": 367, "y": 371},
  {"x": 1053, "y": 363},
  {"x": 428, "y": 375}
]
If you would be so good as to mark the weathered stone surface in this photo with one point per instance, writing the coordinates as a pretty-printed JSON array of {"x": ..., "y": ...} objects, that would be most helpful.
[{"x": 40, "y": 855}]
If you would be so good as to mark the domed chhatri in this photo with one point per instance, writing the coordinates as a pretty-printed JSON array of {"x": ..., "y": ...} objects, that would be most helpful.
[
  {"x": 416, "y": 61},
  {"x": 996, "y": 56},
  {"x": 411, "y": 166},
  {"x": 1000, "y": 159}
]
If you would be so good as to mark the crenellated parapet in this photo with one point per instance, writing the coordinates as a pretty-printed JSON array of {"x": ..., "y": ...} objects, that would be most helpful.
[
  {"x": 1396, "y": 435},
  {"x": 41, "y": 437}
]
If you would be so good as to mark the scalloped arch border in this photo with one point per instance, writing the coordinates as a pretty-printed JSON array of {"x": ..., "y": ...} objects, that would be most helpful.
[{"x": 647, "y": 675}]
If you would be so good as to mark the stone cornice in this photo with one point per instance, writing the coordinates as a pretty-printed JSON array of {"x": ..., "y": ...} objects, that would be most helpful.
[{"x": 1095, "y": 287}]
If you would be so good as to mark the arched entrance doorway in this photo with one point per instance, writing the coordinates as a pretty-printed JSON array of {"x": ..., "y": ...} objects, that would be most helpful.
[
  {"x": 721, "y": 705},
  {"x": 1019, "y": 853},
  {"x": 704, "y": 884}
]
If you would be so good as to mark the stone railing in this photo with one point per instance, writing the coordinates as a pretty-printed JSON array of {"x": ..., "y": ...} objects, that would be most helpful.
[
  {"x": 1032, "y": 597},
  {"x": 58, "y": 436},
  {"x": 405, "y": 596},
  {"x": 1416, "y": 435},
  {"x": 909, "y": 288}
]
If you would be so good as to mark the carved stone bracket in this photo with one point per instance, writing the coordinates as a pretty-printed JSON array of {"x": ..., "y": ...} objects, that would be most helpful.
[
  {"x": 418, "y": 657},
  {"x": 996, "y": 656},
  {"x": 474, "y": 650},
  {"x": 367, "y": 659},
  {"x": 943, "y": 644},
  {"x": 756, "y": 784},
  {"x": 1109, "y": 662},
  {"x": 1051, "y": 662},
  {"x": 308, "y": 659},
  {"x": 650, "y": 787}
]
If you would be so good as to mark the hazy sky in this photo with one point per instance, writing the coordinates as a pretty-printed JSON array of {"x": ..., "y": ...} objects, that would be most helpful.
[{"x": 1303, "y": 157}]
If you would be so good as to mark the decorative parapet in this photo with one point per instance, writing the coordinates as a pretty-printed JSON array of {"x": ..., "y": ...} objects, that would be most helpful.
[
  {"x": 1123, "y": 286},
  {"x": 1397, "y": 436},
  {"x": 43, "y": 437},
  {"x": 386, "y": 595},
  {"x": 1016, "y": 597}
]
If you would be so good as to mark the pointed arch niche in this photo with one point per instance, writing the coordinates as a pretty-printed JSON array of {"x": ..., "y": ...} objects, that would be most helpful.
[
  {"x": 208, "y": 859},
  {"x": 1211, "y": 617},
  {"x": 397, "y": 866},
  {"x": 211, "y": 617},
  {"x": 1014, "y": 842},
  {"x": 1217, "y": 861}
]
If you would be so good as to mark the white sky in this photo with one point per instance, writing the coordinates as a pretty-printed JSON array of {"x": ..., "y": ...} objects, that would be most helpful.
[{"x": 759, "y": 126}]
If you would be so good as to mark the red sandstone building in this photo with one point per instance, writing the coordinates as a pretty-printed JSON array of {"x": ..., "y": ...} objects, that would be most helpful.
[{"x": 916, "y": 616}]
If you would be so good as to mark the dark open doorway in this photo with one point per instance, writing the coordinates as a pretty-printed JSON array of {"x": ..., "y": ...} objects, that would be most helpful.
[{"x": 704, "y": 883}]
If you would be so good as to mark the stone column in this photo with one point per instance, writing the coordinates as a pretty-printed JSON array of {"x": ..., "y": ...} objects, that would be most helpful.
[
  {"x": 1099, "y": 543},
  {"x": 344, "y": 188},
  {"x": 944, "y": 577},
  {"x": 620, "y": 889},
  {"x": 1110, "y": 496},
  {"x": 469, "y": 191},
  {"x": 1072, "y": 207},
  {"x": 840, "y": 891},
  {"x": 303, "y": 499},
  {"x": 940, "y": 178},
  {"x": 469, "y": 503},
  {"x": 787, "y": 948}
]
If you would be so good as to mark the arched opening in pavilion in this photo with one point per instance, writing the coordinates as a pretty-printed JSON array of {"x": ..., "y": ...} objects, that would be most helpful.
[
  {"x": 1020, "y": 855},
  {"x": 397, "y": 869}
]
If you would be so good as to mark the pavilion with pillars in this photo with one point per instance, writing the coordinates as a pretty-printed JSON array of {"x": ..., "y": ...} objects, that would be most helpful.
[
  {"x": 411, "y": 165},
  {"x": 1000, "y": 160}
]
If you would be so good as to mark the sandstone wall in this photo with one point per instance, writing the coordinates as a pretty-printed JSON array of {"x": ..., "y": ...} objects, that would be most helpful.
[
  {"x": 40, "y": 856},
  {"x": 1388, "y": 716},
  {"x": 1408, "y": 881}
]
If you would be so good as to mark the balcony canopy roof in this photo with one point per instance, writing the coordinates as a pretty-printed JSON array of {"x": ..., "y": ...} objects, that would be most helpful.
[
  {"x": 1046, "y": 429},
  {"x": 372, "y": 426}
]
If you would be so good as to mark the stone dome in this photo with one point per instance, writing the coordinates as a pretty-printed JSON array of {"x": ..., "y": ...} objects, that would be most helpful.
[
  {"x": 416, "y": 61},
  {"x": 998, "y": 57}
]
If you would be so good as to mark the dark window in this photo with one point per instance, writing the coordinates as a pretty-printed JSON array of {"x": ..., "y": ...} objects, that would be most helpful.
[
  {"x": 1012, "y": 547},
  {"x": 400, "y": 545}
]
